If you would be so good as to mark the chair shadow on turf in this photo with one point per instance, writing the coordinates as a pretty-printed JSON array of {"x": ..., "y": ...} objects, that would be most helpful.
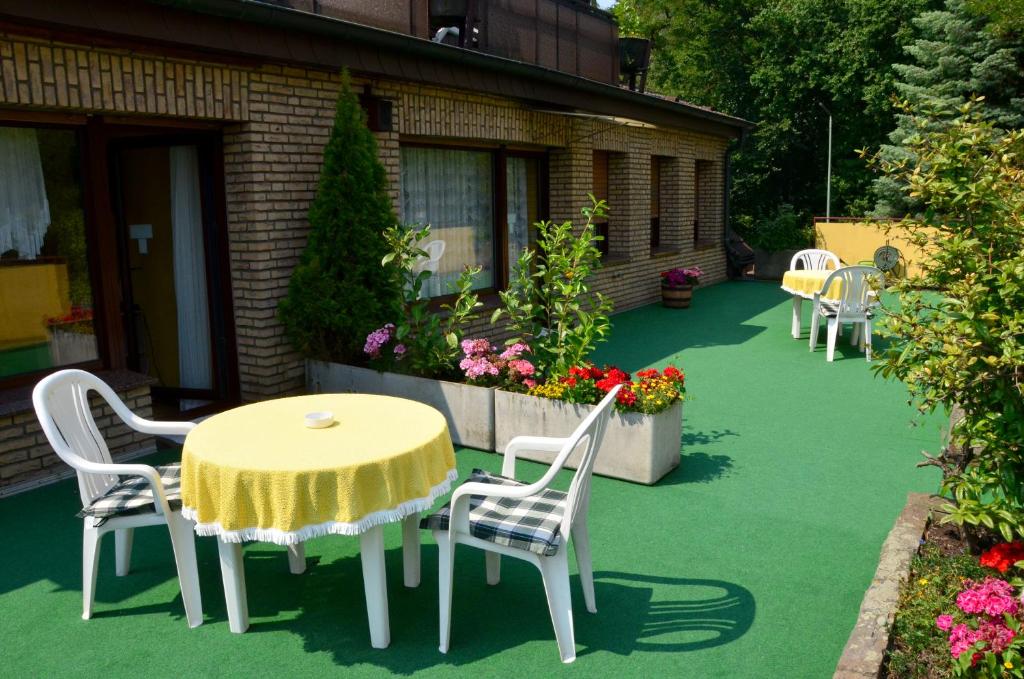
[{"x": 636, "y": 613}]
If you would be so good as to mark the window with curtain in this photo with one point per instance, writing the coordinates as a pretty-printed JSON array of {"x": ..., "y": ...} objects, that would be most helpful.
[
  {"x": 452, "y": 190},
  {"x": 655, "y": 202},
  {"x": 600, "y": 164},
  {"x": 522, "y": 193},
  {"x": 46, "y": 310}
]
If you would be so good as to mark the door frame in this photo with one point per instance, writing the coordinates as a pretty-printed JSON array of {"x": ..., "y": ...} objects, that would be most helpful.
[{"x": 117, "y": 136}]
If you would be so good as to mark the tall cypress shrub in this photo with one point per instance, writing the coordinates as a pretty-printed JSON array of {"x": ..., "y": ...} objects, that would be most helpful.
[{"x": 340, "y": 292}]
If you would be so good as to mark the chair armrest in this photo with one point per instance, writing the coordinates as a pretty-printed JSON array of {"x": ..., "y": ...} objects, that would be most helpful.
[
  {"x": 535, "y": 443},
  {"x": 161, "y": 428},
  {"x": 144, "y": 470},
  {"x": 459, "y": 517}
]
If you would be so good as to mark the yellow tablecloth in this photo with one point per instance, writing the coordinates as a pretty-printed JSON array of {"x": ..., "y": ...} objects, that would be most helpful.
[
  {"x": 257, "y": 472},
  {"x": 806, "y": 282}
]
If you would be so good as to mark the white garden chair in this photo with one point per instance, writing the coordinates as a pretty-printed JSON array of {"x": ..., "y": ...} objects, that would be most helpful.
[
  {"x": 814, "y": 259},
  {"x": 857, "y": 286},
  {"x": 146, "y": 496},
  {"x": 431, "y": 263},
  {"x": 533, "y": 522}
]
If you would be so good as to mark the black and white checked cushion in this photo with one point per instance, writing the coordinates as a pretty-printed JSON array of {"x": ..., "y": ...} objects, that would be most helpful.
[
  {"x": 530, "y": 523},
  {"x": 133, "y": 495}
]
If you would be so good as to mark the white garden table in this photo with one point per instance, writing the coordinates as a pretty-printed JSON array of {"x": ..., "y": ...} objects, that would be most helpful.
[{"x": 803, "y": 284}]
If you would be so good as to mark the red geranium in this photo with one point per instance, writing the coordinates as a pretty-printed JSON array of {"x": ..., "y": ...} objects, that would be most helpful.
[
  {"x": 650, "y": 372},
  {"x": 1003, "y": 555},
  {"x": 674, "y": 373},
  {"x": 581, "y": 373},
  {"x": 596, "y": 373},
  {"x": 613, "y": 377},
  {"x": 626, "y": 396}
]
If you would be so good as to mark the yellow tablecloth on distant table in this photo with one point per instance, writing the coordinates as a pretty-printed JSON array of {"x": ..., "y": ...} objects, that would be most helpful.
[
  {"x": 806, "y": 282},
  {"x": 257, "y": 472}
]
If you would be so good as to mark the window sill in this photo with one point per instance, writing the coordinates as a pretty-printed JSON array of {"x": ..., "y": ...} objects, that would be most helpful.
[
  {"x": 704, "y": 245},
  {"x": 613, "y": 261},
  {"x": 18, "y": 400},
  {"x": 661, "y": 252}
]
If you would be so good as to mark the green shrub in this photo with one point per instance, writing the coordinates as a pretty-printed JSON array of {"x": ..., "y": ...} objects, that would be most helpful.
[
  {"x": 549, "y": 304},
  {"x": 786, "y": 229},
  {"x": 339, "y": 292}
]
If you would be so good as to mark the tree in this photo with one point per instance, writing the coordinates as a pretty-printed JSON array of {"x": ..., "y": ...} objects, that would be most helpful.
[
  {"x": 957, "y": 332},
  {"x": 339, "y": 292},
  {"x": 953, "y": 58}
]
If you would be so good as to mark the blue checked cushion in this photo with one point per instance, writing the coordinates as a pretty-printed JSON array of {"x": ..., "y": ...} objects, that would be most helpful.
[
  {"x": 530, "y": 523},
  {"x": 133, "y": 495}
]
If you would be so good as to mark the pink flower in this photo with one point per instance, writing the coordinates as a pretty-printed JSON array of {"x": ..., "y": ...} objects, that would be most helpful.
[
  {"x": 477, "y": 367},
  {"x": 961, "y": 639},
  {"x": 521, "y": 366},
  {"x": 530, "y": 384},
  {"x": 515, "y": 351},
  {"x": 377, "y": 339},
  {"x": 992, "y": 597},
  {"x": 400, "y": 350},
  {"x": 476, "y": 346},
  {"x": 944, "y": 622}
]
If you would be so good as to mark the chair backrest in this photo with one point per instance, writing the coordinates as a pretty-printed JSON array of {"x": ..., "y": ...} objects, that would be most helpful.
[
  {"x": 587, "y": 437},
  {"x": 434, "y": 250},
  {"x": 814, "y": 259},
  {"x": 855, "y": 284},
  {"x": 61, "y": 402}
]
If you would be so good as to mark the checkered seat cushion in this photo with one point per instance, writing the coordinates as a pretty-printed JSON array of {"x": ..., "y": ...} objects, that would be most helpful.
[
  {"x": 133, "y": 495},
  {"x": 530, "y": 523}
]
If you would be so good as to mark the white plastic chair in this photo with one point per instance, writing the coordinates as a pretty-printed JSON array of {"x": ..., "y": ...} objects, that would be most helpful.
[
  {"x": 431, "y": 263},
  {"x": 566, "y": 519},
  {"x": 814, "y": 259},
  {"x": 856, "y": 300},
  {"x": 61, "y": 403}
]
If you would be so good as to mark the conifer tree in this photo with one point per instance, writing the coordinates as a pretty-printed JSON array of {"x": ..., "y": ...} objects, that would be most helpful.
[
  {"x": 340, "y": 292},
  {"x": 953, "y": 58}
]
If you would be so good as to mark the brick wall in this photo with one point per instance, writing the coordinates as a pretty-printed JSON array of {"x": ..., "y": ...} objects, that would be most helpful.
[
  {"x": 26, "y": 455},
  {"x": 276, "y": 120}
]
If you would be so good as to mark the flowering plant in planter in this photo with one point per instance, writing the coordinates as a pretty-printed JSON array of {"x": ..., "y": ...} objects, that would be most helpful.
[
  {"x": 652, "y": 392},
  {"x": 483, "y": 365},
  {"x": 985, "y": 632},
  {"x": 680, "y": 277}
]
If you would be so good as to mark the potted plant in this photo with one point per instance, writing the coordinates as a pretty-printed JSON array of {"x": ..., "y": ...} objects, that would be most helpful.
[
  {"x": 642, "y": 440},
  {"x": 677, "y": 286}
]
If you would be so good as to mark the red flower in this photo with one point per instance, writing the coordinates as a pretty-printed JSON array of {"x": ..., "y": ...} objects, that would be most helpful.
[
  {"x": 650, "y": 372},
  {"x": 626, "y": 396},
  {"x": 582, "y": 373},
  {"x": 612, "y": 377},
  {"x": 569, "y": 381},
  {"x": 674, "y": 373},
  {"x": 1003, "y": 555},
  {"x": 596, "y": 373}
]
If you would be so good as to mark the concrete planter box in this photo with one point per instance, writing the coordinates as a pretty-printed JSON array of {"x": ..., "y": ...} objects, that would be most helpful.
[
  {"x": 636, "y": 447},
  {"x": 468, "y": 409},
  {"x": 771, "y": 265}
]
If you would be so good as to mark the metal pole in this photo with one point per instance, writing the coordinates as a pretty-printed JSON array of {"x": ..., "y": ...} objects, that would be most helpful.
[{"x": 828, "y": 174}]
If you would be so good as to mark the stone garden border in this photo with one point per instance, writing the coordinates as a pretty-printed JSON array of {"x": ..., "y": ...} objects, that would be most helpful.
[{"x": 865, "y": 649}]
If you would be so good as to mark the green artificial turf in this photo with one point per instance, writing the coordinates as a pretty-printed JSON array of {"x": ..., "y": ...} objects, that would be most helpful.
[{"x": 750, "y": 560}]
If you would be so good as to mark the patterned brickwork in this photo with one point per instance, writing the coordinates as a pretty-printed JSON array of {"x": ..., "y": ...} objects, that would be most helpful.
[{"x": 276, "y": 121}]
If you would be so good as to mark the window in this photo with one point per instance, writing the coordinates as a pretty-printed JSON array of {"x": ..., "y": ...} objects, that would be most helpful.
[
  {"x": 655, "y": 202},
  {"x": 703, "y": 201},
  {"x": 46, "y": 300},
  {"x": 456, "y": 191},
  {"x": 600, "y": 191}
]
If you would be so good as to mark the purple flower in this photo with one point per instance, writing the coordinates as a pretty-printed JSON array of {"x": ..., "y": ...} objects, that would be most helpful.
[
  {"x": 400, "y": 350},
  {"x": 377, "y": 339}
]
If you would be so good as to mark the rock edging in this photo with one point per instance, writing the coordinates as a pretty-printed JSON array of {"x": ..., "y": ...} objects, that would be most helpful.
[{"x": 865, "y": 649}]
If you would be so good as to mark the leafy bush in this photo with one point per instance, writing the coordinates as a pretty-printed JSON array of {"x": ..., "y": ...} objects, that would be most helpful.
[
  {"x": 784, "y": 230},
  {"x": 549, "y": 304},
  {"x": 339, "y": 292},
  {"x": 957, "y": 336}
]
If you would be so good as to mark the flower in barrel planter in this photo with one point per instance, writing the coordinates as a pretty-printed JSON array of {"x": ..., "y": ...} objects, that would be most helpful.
[
  {"x": 651, "y": 392},
  {"x": 677, "y": 286}
]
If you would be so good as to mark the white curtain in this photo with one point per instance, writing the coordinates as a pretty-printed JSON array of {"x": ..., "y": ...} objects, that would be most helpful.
[
  {"x": 195, "y": 363},
  {"x": 24, "y": 209},
  {"x": 452, "y": 191},
  {"x": 517, "y": 191}
]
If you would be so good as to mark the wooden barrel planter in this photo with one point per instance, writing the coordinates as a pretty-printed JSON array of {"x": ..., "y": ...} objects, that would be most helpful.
[{"x": 676, "y": 297}]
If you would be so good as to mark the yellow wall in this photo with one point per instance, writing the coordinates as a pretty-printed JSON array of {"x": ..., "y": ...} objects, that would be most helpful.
[
  {"x": 29, "y": 294},
  {"x": 857, "y": 241}
]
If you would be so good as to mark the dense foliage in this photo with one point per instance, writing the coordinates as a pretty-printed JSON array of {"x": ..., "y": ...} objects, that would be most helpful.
[
  {"x": 549, "y": 304},
  {"x": 953, "y": 58},
  {"x": 339, "y": 292},
  {"x": 957, "y": 336},
  {"x": 783, "y": 65}
]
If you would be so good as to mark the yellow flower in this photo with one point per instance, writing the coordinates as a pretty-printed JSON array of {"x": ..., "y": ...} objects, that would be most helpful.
[
  {"x": 923, "y": 581},
  {"x": 1008, "y": 665}
]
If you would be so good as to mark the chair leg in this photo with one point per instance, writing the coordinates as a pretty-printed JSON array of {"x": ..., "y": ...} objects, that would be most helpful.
[
  {"x": 90, "y": 566},
  {"x": 411, "y": 550},
  {"x": 833, "y": 330},
  {"x": 184, "y": 544},
  {"x": 123, "y": 550},
  {"x": 555, "y": 571},
  {"x": 581, "y": 542},
  {"x": 856, "y": 335},
  {"x": 232, "y": 572},
  {"x": 815, "y": 322},
  {"x": 445, "y": 569},
  {"x": 795, "y": 326},
  {"x": 375, "y": 586},
  {"x": 493, "y": 560},
  {"x": 867, "y": 339},
  {"x": 296, "y": 558}
]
